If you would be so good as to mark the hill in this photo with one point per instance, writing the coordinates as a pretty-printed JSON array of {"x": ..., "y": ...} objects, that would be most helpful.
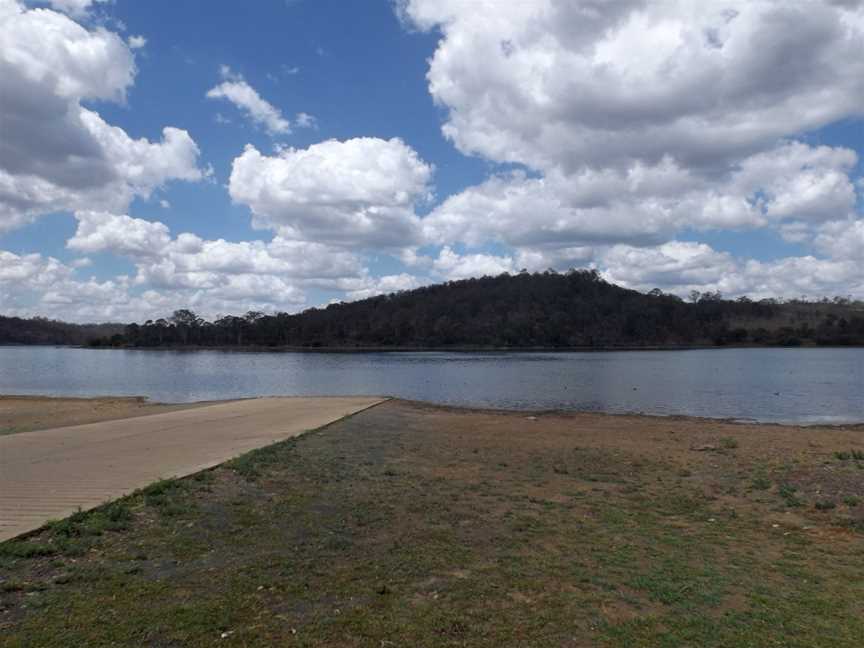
[{"x": 551, "y": 310}]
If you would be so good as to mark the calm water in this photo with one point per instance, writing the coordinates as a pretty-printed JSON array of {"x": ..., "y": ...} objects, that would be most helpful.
[{"x": 800, "y": 385}]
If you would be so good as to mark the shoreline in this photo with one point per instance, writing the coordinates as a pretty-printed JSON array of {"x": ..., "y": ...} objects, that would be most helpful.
[
  {"x": 432, "y": 349},
  {"x": 137, "y": 403},
  {"x": 460, "y": 348}
]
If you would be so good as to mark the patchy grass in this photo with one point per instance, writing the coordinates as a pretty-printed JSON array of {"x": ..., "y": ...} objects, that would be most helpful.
[
  {"x": 420, "y": 526},
  {"x": 729, "y": 443}
]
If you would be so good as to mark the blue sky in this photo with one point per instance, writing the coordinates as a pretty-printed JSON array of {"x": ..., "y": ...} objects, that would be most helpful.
[{"x": 329, "y": 150}]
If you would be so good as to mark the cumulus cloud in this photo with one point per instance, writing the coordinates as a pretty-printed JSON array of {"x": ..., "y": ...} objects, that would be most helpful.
[
  {"x": 626, "y": 127},
  {"x": 451, "y": 265},
  {"x": 382, "y": 285},
  {"x": 636, "y": 121},
  {"x": 557, "y": 83},
  {"x": 36, "y": 284},
  {"x": 842, "y": 240},
  {"x": 357, "y": 192},
  {"x": 211, "y": 275},
  {"x": 121, "y": 234},
  {"x": 236, "y": 90},
  {"x": 792, "y": 182},
  {"x": 56, "y": 155},
  {"x": 679, "y": 267}
]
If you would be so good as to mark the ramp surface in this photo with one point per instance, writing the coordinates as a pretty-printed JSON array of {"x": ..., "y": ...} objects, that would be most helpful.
[{"x": 50, "y": 474}]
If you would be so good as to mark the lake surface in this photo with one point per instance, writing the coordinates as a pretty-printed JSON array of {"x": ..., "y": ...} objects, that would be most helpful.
[{"x": 775, "y": 385}]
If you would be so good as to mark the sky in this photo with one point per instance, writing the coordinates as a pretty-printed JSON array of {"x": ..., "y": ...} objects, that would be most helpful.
[{"x": 284, "y": 154}]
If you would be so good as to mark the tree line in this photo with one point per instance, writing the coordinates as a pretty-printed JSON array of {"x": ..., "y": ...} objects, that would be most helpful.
[
  {"x": 40, "y": 330},
  {"x": 549, "y": 309}
]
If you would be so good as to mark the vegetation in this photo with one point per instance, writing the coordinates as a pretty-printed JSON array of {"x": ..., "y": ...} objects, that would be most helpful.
[
  {"x": 576, "y": 309},
  {"x": 549, "y": 310},
  {"x": 39, "y": 330},
  {"x": 421, "y": 526}
]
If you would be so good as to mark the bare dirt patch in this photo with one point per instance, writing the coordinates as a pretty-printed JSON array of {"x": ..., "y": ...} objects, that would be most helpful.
[{"x": 28, "y": 413}]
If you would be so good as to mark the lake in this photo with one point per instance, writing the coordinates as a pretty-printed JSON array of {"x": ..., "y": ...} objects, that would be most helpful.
[{"x": 771, "y": 385}]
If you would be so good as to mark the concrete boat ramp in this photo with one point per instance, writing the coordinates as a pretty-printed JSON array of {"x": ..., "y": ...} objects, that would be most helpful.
[{"x": 50, "y": 474}]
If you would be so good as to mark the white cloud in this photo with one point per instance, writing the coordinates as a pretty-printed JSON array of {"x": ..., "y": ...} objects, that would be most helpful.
[
  {"x": 360, "y": 192},
  {"x": 384, "y": 285},
  {"x": 563, "y": 84},
  {"x": 212, "y": 276},
  {"x": 637, "y": 121},
  {"x": 136, "y": 42},
  {"x": 56, "y": 155},
  {"x": 674, "y": 266},
  {"x": 121, "y": 234},
  {"x": 305, "y": 120},
  {"x": 842, "y": 240},
  {"x": 680, "y": 267},
  {"x": 236, "y": 90},
  {"x": 31, "y": 269},
  {"x": 451, "y": 265},
  {"x": 76, "y": 8}
]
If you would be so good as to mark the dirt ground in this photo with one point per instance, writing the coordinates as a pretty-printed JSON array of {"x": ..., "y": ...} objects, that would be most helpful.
[
  {"x": 415, "y": 525},
  {"x": 27, "y": 413}
]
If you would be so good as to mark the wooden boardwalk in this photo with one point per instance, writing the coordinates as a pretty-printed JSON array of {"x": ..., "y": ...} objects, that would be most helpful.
[{"x": 50, "y": 474}]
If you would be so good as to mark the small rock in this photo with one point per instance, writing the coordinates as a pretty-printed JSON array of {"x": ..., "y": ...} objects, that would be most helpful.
[
  {"x": 530, "y": 418},
  {"x": 704, "y": 448}
]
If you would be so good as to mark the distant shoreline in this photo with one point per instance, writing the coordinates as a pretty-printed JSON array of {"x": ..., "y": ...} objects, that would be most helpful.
[{"x": 457, "y": 349}]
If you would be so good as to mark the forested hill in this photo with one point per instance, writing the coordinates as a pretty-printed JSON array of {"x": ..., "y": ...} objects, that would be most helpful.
[
  {"x": 39, "y": 330},
  {"x": 576, "y": 309}
]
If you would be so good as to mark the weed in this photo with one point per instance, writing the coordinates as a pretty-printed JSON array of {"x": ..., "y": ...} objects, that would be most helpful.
[
  {"x": 728, "y": 443},
  {"x": 787, "y": 492},
  {"x": 12, "y": 586},
  {"x": 842, "y": 456},
  {"x": 203, "y": 477},
  {"x": 852, "y": 501},
  {"x": 825, "y": 505},
  {"x": 111, "y": 517},
  {"x": 761, "y": 483},
  {"x": 25, "y": 549},
  {"x": 157, "y": 494}
]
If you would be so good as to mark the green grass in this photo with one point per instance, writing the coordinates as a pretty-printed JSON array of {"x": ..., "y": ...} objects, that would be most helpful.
[
  {"x": 728, "y": 443},
  {"x": 761, "y": 483},
  {"x": 856, "y": 455},
  {"x": 788, "y": 493}
]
